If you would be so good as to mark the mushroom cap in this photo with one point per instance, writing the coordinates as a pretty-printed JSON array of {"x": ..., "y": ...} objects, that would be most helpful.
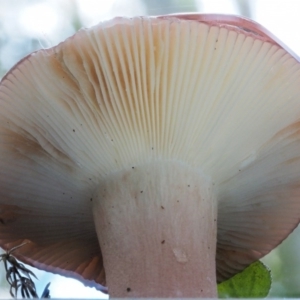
[{"x": 216, "y": 92}]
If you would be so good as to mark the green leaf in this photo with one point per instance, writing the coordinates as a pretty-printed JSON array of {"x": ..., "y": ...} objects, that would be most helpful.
[{"x": 254, "y": 282}]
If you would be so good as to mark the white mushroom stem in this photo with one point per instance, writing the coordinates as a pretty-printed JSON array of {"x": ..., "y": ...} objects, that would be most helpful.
[{"x": 156, "y": 225}]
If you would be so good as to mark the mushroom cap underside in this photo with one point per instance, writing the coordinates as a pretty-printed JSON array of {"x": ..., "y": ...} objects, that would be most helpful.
[{"x": 219, "y": 98}]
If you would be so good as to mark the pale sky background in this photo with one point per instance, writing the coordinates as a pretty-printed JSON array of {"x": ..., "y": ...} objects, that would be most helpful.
[{"x": 42, "y": 19}]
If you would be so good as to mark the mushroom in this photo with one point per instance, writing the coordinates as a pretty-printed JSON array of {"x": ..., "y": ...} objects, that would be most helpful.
[{"x": 155, "y": 155}]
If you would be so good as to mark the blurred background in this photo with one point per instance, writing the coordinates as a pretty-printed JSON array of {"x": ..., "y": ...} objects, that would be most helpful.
[{"x": 28, "y": 25}]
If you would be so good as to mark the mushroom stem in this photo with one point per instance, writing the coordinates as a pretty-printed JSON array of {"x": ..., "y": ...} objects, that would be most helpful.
[{"x": 156, "y": 225}]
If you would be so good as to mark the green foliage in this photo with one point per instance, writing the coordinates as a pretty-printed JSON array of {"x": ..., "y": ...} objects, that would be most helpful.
[{"x": 254, "y": 282}]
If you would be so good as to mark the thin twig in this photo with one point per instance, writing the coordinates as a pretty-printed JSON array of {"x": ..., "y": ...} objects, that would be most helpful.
[{"x": 19, "y": 277}]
